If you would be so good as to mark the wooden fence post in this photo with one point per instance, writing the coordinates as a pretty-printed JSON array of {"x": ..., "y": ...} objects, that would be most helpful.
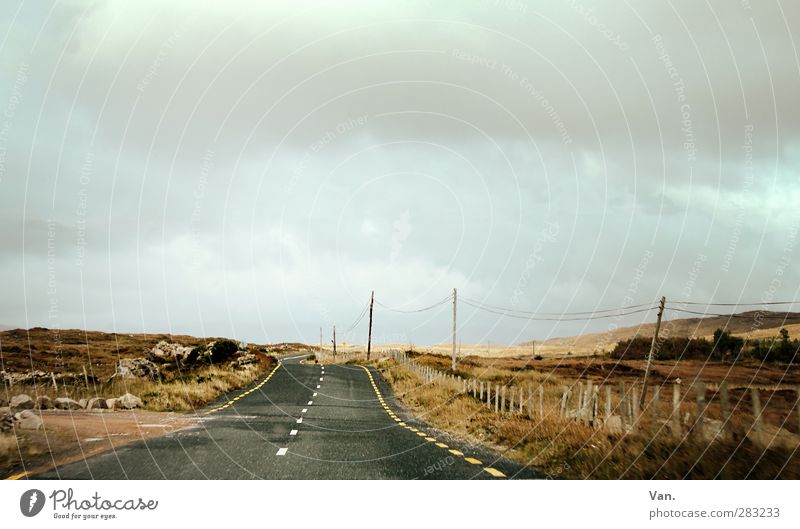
[
  {"x": 623, "y": 403},
  {"x": 587, "y": 403},
  {"x": 541, "y": 401},
  {"x": 757, "y": 425},
  {"x": 676, "y": 408},
  {"x": 608, "y": 401},
  {"x": 530, "y": 401},
  {"x": 701, "y": 407},
  {"x": 725, "y": 407},
  {"x": 564, "y": 398},
  {"x": 635, "y": 403},
  {"x": 595, "y": 404},
  {"x": 496, "y": 398},
  {"x": 503, "y": 397},
  {"x": 656, "y": 403},
  {"x": 481, "y": 397}
]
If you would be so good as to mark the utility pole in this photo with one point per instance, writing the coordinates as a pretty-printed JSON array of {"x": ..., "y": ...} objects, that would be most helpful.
[
  {"x": 369, "y": 335},
  {"x": 455, "y": 301},
  {"x": 652, "y": 351},
  {"x": 334, "y": 343}
]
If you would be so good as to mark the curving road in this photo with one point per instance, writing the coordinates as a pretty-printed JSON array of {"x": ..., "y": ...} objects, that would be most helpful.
[{"x": 302, "y": 421}]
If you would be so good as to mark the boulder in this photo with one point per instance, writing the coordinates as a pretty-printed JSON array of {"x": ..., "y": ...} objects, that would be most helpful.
[
  {"x": 21, "y": 402},
  {"x": 6, "y": 420},
  {"x": 82, "y": 403},
  {"x": 137, "y": 368},
  {"x": 43, "y": 402},
  {"x": 128, "y": 402},
  {"x": 97, "y": 403},
  {"x": 111, "y": 404},
  {"x": 165, "y": 352},
  {"x": 64, "y": 403},
  {"x": 27, "y": 420},
  {"x": 246, "y": 359}
]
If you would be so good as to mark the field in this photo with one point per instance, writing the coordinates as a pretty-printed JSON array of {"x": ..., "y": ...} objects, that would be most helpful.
[{"x": 651, "y": 448}]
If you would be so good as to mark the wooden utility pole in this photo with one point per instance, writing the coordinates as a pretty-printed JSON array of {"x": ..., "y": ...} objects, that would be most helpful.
[
  {"x": 369, "y": 335},
  {"x": 334, "y": 343},
  {"x": 652, "y": 351},
  {"x": 455, "y": 301}
]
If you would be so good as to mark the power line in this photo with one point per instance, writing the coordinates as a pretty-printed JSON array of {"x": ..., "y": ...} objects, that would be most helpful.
[
  {"x": 784, "y": 316},
  {"x": 358, "y": 319},
  {"x": 410, "y": 311},
  {"x": 532, "y": 313},
  {"x": 737, "y": 304},
  {"x": 534, "y": 318}
]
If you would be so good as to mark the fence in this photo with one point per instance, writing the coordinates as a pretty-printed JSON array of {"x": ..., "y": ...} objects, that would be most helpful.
[{"x": 710, "y": 411}]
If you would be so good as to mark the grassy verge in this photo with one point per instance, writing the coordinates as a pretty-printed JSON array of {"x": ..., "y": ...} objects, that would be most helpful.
[
  {"x": 566, "y": 448},
  {"x": 180, "y": 391}
]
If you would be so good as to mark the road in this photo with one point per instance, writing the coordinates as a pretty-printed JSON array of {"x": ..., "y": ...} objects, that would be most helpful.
[{"x": 302, "y": 421}]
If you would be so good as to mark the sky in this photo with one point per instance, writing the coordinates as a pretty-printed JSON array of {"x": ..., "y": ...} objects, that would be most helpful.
[{"x": 255, "y": 169}]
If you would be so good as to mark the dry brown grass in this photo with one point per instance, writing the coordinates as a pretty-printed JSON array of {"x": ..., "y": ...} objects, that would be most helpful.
[{"x": 566, "y": 448}]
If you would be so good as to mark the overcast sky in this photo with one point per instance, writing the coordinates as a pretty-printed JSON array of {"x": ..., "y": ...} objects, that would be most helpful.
[{"x": 226, "y": 168}]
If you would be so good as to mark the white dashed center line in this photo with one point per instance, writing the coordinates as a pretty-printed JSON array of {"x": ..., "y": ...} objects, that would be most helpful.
[
  {"x": 314, "y": 395},
  {"x": 299, "y": 420},
  {"x": 320, "y": 379},
  {"x": 293, "y": 432},
  {"x": 282, "y": 451},
  {"x": 317, "y": 386},
  {"x": 304, "y": 410},
  {"x": 310, "y": 403}
]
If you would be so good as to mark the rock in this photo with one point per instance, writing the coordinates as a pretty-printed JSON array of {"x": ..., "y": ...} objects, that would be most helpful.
[
  {"x": 21, "y": 402},
  {"x": 64, "y": 403},
  {"x": 43, "y": 402},
  {"x": 27, "y": 420},
  {"x": 137, "y": 368},
  {"x": 97, "y": 403},
  {"x": 246, "y": 359},
  {"x": 165, "y": 352},
  {"x": 111, "y": 404},
  {"x": 3, "y": 403},
  {"x": 6, "y": 420},
  {"x": 82, "y": 403},
  {"x": 128, "y": 402}
]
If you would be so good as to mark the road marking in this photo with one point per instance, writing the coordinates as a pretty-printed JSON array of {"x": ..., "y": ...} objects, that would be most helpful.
[
  {"x": 293, "y": 432},
  {"x": 422, "y": 434},
  {"x": 314, "y": 395},
  {"x": 442, "y": 445},
  {"x": 494, "y": 472},
  {"x": 282, "y": 451},
  {"x": 456, "y": 452},
  {"x": 472, "y": 460},
  {"x": 18, "y": 476},
  {"x": 304, "y": 410},
  {"x": 299, "y": 420},
  {"x": 402, "y": 423},
  {"x": 320, "y": 379},
  {"x": 310, "y": 403},
  {"x": 430, "y": 439},
  {"x": 258, "y": 386},
  {"x": 317, "y": 386}
]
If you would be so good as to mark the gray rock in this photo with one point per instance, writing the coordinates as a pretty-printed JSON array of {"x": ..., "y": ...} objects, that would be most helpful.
[
  {"x": 43, "y": 402},
  {"x": 137, "y": 368},
  {"x": 128, "y": 402},
  {"x": 97, "y": 403},
  {"x": 6, "y": 420},
  {"x": 82, "y": 403},
  {"x": 111, "y": 404},
  {"x": 63, "y": 403},
  {"x": 27, "y": 420},
  {"x": 165, "y": 352},
  {"x": 21, "y": 402},
  {"x": 246, "y": 359}
]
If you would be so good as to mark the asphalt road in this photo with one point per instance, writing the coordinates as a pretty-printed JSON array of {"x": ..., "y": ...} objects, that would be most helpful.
[{"x": 302, "y": 421}]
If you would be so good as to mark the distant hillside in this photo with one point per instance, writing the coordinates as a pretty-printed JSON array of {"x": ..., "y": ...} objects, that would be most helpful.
[{"x": 744, "y": 323}]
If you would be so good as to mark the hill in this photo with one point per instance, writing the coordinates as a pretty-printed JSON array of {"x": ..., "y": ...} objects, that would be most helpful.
[{"x": 753, "y": 324}]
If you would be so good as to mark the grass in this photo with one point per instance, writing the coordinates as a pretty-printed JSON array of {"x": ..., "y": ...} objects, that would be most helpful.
[
  {"x": 181, "y": 392},
  {"x": 566, "y": 448}
]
